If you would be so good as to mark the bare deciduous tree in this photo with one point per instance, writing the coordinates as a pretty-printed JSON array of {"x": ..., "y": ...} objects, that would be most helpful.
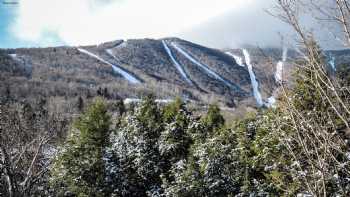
[
  {"x": 316, "y": 125},
  {"x": 24, "y": 148}
]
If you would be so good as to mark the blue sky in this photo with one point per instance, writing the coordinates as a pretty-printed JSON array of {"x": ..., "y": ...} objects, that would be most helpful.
[
  {"x": 8, "y": 38},
  {"x": 7, "y": 17}
]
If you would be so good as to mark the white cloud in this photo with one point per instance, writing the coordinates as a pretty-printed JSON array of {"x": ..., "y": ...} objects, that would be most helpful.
[
  {"x": 250, "y": 24},
  {"x": 221, "y": 23},
  {"x": 80, "y": 22}
]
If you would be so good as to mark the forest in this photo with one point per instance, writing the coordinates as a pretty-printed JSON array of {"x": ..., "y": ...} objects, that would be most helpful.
[{"x": 103, "y": 147}]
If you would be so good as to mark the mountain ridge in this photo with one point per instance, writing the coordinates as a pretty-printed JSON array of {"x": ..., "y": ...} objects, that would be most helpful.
[{"x": 168, "y": 67}]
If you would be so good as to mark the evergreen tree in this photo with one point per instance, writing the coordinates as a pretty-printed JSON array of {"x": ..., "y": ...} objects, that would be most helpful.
[
  {"x": 79, "y": 169},
  {"x": 133, "y": 160},
  {"x": 120, "y": 107},
  {"x": 264, "y": 157},
  {"x": 343, "y": 75},
  {"x": 99, "y": 92},
  {"x": 8, "y": 96},
  {"x": 175, "y": 140},
  {"x": 173, "y": 109},
  {"x": 212, "y": 166},
  {"x": 80, "y": 104},
  {"x": 214, "y": 119},
  {"x": 106, "y": 93},
  {"x": 212, "y": 169}
]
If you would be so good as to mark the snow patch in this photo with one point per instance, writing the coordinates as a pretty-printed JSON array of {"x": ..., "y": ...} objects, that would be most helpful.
[
  {"x": 271, "y": 102},
  {"x": 123, "y": 44},
  {"x": 347, "y": 155},
  {"x": 164, "y": 100},
  {"x": 204, "y": 67},
  {"x": 176, "y": 63},
  {"x": 13, "y": 55},
  {"x": 304, "y": 195},
  {"x": 49, "y": 151},
  {"x": 253, "y": 80},
  {"x": 238, "y": 59},
  {"x": 136, "y": 100},
  {"x": 131, "y": 100},
  {"x": 116, "y": 69}
]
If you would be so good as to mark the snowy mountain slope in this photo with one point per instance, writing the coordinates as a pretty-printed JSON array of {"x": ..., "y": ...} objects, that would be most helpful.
[
  {"x": 177, "y": 64},
  {"x": 237, "y": 58},
  {"x": 206, "y": 68},
  {"x": 167, "y": 67},
  {"x": 255, "y": 84},
  {"x": 116, "y": 68}
]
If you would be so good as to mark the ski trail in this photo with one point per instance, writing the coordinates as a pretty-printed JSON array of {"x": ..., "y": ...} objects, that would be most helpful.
[
  {"x": 122, "y": 44},
  {"x": 204, "y": 67},
  {"x": 331, "y": 61},
  {"x": 285, "y": 53},
  {"x": 279, "y": 72},
  {"x": 280, "y": 66},
  {"x": 119, "y": 45},
  {"x": 238, "y": 59},
  {"x": 177, "y": 64},
  {"x": 116, "y": 69},
  {"x": 109, "y": 52},
  {"x": 253, "y": 80}
]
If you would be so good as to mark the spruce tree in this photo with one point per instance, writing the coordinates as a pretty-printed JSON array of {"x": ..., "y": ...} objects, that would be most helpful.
[
  {"x": 133, "y": 160},
  {"x": 214, "y": 119},
  {"x": 175, "y": 140},
  {"x": 80, "y": 104},
  {"x": 78, "y": 169}
]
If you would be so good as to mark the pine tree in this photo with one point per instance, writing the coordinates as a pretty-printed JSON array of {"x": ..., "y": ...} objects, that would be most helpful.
[
  {"x": 80, "y": 104},
  {"x": 170, "y": 111},
  {"x": 212, "y": 169},
  {"x": 7, "y": 95},
  {"x": 78, "y": 169},
  {"x": 106, "y": 93},
  {"x": 99, "y": 92},
  {"x": 120, "y": 107},
  {"x": 213, "y": 119},
  {"x": 133, "y": 159}
]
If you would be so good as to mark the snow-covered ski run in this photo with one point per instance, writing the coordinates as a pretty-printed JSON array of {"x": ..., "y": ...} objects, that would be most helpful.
[
  {"x": 238, "y": 59},
  {"x": 205, "y": 67},
  {"x": 280, "y": 66},
  {"x": 253, "y": 80},
  {"x": 176, "y": 63},
  {"x": 116, "y": 69},
  {"x": 331, "y": 61}
]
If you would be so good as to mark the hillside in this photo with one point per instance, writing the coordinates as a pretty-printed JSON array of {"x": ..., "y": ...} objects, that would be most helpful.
[{"x": 167, "y": 68}]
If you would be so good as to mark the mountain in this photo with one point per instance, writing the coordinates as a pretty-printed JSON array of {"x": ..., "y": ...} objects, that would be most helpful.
[{"x": 168, "y": 68}]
